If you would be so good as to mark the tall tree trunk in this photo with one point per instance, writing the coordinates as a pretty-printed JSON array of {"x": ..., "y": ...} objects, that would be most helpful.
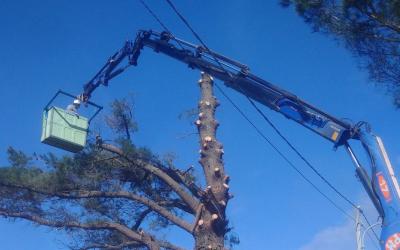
[{"x": 211, "y": 221}]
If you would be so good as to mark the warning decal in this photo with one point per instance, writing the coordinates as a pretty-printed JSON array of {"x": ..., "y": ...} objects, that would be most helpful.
[
  {"x": 393, "y": 243},
  {"x": 384, "y": 187}
]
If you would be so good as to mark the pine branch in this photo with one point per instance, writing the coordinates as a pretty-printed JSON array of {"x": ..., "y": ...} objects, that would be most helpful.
[
  {"x": 186, "y": 197},
  {"x": 82, "y": 194},
  {"x": 112, "y": 247},
  {"x": 169, "y": 246},
  {"x": 137, "y": 238},
  {"x": 142, "y": 216},
  {"x": 101, "y": 225}
]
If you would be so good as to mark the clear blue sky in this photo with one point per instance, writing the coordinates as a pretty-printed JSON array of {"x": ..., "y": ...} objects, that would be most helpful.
[{"x": 49, "y": 45}]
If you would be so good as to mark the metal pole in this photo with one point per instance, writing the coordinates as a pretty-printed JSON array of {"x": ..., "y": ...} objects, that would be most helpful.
[{"x": 358, "y": 228}]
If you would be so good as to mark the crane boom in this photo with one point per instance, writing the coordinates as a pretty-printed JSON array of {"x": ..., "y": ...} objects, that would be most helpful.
[
  {"x": 381, "y": 184},
  {"x": 233, "y": 74}
]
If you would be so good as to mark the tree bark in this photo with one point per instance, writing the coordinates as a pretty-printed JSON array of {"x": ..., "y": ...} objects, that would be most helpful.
[{"x": 211, "y": 223}]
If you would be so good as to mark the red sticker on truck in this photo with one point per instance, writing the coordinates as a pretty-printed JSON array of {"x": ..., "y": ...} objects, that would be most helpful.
[
  {"x": 393, "y": 242},
  {"x": 384, "y": 187}
]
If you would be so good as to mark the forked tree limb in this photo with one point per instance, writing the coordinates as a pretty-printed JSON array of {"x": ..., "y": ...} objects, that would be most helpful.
[
  {"x": 100, "y": 225},
  {"x": 163, "y": 244},
  {"x": 191, "y": 201}
]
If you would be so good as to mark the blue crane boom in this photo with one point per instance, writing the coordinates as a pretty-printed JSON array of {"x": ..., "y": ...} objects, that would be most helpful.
[{"x": 381, "y": 184}]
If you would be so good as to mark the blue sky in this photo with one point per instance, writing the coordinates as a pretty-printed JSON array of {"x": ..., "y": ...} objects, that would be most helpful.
[{"x": 50, "y": 45}]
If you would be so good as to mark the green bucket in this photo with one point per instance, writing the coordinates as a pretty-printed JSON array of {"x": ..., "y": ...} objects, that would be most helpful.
[{"x": 65, "y": 130}]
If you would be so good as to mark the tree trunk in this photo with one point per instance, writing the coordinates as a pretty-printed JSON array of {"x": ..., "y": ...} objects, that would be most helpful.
[{"x": 211, "y": 221}]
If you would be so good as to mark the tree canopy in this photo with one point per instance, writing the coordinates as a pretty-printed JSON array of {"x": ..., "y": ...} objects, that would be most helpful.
[
  {"x": 370, "y": 29},
  {"x": 117, "y": 195},
  {"x": 104, "y": 196}
]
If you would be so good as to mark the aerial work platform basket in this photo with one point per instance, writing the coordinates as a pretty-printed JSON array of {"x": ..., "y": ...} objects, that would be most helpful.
[{"x": 65, "y": 129}]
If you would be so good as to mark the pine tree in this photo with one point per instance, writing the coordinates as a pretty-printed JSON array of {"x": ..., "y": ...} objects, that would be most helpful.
[
  {"x": 370, "y": 29},
  {"x": 117, "y": 195}
]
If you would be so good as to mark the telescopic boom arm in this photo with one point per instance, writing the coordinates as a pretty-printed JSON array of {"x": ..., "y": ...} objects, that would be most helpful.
[{"x": 381, "y": 186}]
